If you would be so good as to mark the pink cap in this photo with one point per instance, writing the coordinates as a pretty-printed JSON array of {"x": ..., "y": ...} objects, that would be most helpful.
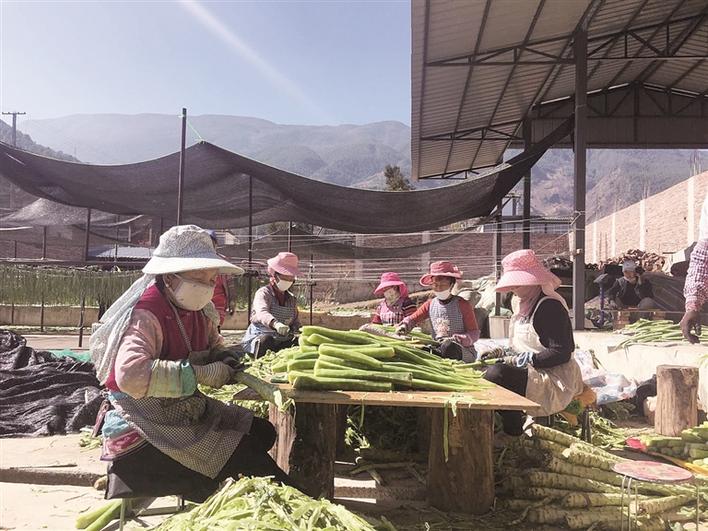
[
  {"x": 391, "y": 279},
  {"x": 440, "y": 269},
  {"x": 284, "y": 263},
  {"x": 523, "y": 268}
]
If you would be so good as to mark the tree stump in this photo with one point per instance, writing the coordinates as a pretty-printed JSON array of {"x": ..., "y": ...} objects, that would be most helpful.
[
  {"x": 306, "y": 446},
  {"x": 465, "y": 482},
  {"x": 676, "y": 399}
]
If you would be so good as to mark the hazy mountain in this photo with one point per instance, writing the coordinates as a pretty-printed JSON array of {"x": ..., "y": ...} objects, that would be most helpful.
[{"x": 353, "y": 155}]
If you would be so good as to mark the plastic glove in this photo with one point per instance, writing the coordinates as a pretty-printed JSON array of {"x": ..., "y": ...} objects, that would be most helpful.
[
  {"x": 231, "y": 358},
  {"x": 281, "y": 328},
  {"x": 497, "y": 352},
  {"x": 519, "y": 360},
  {"x": 402, "y": 329},
  {"x": 450, "y": 349},
  {"x": 691, "y": 326},
  {"x": 213, "y": 374}
]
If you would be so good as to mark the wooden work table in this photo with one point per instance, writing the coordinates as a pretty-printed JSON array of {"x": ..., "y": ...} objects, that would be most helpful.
[{"x": 307, "y": 440}]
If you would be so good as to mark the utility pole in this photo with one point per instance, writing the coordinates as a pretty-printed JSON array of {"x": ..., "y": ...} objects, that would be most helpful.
[
  {"x": 14, "y": 125},
  {"x": 14, "y": 144}
]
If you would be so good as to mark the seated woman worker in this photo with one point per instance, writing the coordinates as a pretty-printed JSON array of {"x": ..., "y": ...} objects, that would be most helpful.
[
  {"x": 154, "y": 345},
  {"x": 540, "y": 363},
  {"x": 396, "y": 303},
  {"x": 452, "y": 318},
  {"x": 274, "y": 317}
]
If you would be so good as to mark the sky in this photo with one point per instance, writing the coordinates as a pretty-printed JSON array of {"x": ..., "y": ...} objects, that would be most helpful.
[{"x": 318, "y": 62}]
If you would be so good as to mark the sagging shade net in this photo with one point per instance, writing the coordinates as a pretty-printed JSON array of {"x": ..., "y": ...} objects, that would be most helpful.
[{"x": 217, "y": 184}]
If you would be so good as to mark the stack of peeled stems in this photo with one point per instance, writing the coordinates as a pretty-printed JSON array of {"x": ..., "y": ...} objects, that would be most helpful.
[
  {"x": 356, "y": 360},
  {"x": 573, "y": 476},
  {"x": 659, "y": 331}
]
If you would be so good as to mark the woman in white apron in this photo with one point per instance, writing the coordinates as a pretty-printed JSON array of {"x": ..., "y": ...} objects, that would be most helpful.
[{"x": 540, "y": 363}]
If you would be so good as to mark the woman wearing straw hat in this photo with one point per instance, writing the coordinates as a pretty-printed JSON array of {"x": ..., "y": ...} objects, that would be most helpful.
[
  {"x": 274, "y": 317},
  {"x": 396, "y": 303},
  {"x": 153, "y": 346},
  {"x": 452, "y": 318},
  {"x": 540, "y": 363}
]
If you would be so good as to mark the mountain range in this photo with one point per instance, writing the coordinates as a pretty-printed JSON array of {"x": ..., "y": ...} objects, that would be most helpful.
[{"x": 348, "y": 155}]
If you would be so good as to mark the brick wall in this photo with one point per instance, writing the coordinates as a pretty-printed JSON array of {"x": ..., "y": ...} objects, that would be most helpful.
[{"x": 662, "y": 223}]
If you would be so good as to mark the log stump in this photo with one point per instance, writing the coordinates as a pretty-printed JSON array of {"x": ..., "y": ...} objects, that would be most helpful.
[
  {"x": 676, "y": 399},
  {"x": 306, "y": 446},
  {"x": 465, "y": 482}
]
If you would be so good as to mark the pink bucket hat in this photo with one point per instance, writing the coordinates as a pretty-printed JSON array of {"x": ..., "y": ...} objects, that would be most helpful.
[
  {"x": 391, "y": 279},
  {"x": 284, "y": 263},
  {"x": 523, "y": 268},
  {"x": 440, "y": 269}
]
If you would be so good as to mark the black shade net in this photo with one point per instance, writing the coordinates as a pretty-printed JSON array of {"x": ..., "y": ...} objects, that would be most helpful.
[
  {"x": 41, "y": 394},
  {"x": 217, "y": 184}
]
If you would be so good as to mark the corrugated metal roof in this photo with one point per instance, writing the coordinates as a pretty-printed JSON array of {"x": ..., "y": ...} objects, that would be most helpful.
[{"x": 465, "y": 112}]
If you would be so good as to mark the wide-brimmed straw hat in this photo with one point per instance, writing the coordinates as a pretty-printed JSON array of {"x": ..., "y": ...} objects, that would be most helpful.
[
  {"x": 440, "y": 269},
  {"x": 284, "y": 263},
  {"x": 391, "y": 279},
  {"x": 523, "y": 268},
  {"x": 187, "y": 248}
]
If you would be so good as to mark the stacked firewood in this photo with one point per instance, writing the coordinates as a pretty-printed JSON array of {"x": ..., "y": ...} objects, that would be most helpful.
[{"x": 647, "y": 260}]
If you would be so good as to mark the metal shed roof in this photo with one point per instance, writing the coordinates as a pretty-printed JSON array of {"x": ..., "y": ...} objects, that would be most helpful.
[{"x": 480, "y": 67}]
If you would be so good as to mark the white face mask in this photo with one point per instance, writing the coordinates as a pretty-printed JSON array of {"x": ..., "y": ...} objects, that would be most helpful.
[
  {"x": 443, "y": 295},
  {"x": 284, "y": 285},
  {"x": 391, "y": 295},
  {"x": 191, "y": 295}
]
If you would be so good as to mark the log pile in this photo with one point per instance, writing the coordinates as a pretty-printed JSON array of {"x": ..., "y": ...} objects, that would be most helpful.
[{"x": 647, "y": 260}]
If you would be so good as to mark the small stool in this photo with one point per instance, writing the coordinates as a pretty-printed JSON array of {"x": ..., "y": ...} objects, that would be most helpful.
[
  {"x": 127, "y": 512},
  {"x": 650, "y": 472}
]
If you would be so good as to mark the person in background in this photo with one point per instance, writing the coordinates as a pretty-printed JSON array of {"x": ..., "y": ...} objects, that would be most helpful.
[
  {"x": 695, "y": 290},
  {"x": 155, "y": 344},
  {"x": 451, "y": 317},
  {"x": 396, "y": 303},
  {"x": 539, "y": 364},
  {"x": 221, "y": 299},
  {"x": 631, "y": 290},
  {"x": 274, "y": 317}
]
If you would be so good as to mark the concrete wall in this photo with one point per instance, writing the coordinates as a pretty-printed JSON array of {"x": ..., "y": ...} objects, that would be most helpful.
[
  {"x": 53, "y": 315},
  {"x": 662, "y": 223}
]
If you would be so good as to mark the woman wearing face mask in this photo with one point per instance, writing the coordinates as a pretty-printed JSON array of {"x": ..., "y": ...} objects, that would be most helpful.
[
  {"x": 153, "y": 346},
  {"x": 396, "y": 303},
  {"x": 540, "y": 363},
  {"x": 274, "y": 318},
  {"x": 451, "y": 317}
]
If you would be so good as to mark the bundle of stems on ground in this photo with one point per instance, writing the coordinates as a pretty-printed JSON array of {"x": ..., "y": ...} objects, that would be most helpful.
[{"x": 569, "y": 476}]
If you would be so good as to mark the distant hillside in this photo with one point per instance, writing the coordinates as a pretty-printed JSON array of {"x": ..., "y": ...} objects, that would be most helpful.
[{"x": 353, "y": 155}]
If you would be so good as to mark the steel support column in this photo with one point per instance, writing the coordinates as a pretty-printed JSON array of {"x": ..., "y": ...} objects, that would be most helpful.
[
  {"x": 498, "y": 255},
  {"x": 180, "y": 182},
  {"x": 249, "y": 273},
  {"x": 88, "y": 234},
  {"x": 580, "y": 159},
  {"x": 526, "y": 228}
]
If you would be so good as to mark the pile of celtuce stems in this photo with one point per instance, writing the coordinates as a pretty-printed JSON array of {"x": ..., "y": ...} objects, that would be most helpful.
[
  {"x": 646, "y": 331},
  {"x": 360, "y": 361},
  {"x": 573, "y": 485},
  {"x": 261, "y": 504}
]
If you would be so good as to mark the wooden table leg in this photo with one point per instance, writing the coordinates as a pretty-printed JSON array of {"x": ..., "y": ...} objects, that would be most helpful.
[
  {"x": 465, "y": 482},
  {"x": 306, "y": 446}
]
